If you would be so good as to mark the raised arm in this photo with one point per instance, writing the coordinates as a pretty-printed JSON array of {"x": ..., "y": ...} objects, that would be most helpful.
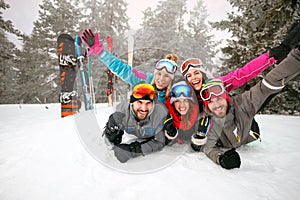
[
  {"x": 124, "y": 71},
  {"x": 242, "y": 75}
]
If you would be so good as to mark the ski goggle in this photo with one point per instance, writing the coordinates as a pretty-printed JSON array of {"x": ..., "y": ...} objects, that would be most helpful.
[
  {"x": 181, "y": 90},
  {"x": 144, "y": 89},
  {"x": 167, "y": 64},
  {"x": 207, "y": 91},
  {"x": 192, "y": 62}
]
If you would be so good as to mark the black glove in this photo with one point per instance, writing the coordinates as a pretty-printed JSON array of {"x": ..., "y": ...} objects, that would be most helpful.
[
  {"x": 124, "y": 152},
  {"x": 198, "y": 140},
  {"x": 290, "y": 41},
  {"x": 171, "y": 131},
  {"x": 204, "y": 124},
  {"x": 114, "y": 129},
  {"x": 230, "y": 159}
]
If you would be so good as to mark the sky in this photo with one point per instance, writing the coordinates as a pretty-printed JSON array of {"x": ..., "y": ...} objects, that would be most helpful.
[{"x": 23, "y": 13}]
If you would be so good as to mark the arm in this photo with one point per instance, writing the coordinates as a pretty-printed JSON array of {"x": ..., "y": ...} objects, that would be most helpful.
[
  {"x": 273, "y": 82},
  {"x": 242, "y": 75},
  {"x": 124, "y": 71},
  {"x": 210, "y": 148}
]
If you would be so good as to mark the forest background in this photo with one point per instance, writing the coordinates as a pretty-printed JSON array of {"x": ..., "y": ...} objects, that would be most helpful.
[{"x": 31, "y": 75}]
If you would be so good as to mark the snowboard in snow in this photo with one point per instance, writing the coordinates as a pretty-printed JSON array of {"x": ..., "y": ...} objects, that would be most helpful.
[{"x": 67, "y": 62}]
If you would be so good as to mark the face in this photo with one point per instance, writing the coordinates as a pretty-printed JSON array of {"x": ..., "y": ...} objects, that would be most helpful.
[
  {"x": 218, "y": 106},
  {"x": 194, "y": 77},
  {"x": 162, "y": 79},
  {"x": 141, "y": 108},
  {"x": 182, "y": 106}
]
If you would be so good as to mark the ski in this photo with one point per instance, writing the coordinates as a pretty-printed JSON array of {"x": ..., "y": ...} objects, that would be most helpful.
[
  {"x": 110, "y": 89},
  {"x": 81, "y": 58},
  {"x": 67, "y": 62}
]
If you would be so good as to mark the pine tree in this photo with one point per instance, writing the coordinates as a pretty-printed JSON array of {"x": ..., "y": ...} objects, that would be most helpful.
[
  {"x": 9, "y": 73},
  {"x": 198, "y": 42},
  {"x": 39, "y": 61},
  {"x": 257, "y": 26}
]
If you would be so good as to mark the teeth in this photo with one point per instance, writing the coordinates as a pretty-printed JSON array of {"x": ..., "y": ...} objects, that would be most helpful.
[{"x": 219, "y": 108}]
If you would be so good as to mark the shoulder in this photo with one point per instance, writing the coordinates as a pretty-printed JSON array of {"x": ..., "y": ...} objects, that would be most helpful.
[
  {"x": 123, "y": 106},
  {"x": 160, "y": 108}
]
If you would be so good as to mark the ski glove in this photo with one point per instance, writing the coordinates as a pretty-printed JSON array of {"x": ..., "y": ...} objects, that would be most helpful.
[
  {"x": 198, "y": 140},
  {"x": 170, "y": 130},
  {"x": 92, "y": 41},
  {"x": 124, "y": 152},
  {"x": 114, "y": 129},
  {"x": 290, "y": 41},
  {"x": 230, "y": 159},
  {"x": 204, "y": 125}
]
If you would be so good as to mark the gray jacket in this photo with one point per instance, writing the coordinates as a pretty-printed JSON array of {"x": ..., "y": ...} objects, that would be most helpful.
[
  {"x": 150, "y": 129},
  {"x": 233, "y": 130}
]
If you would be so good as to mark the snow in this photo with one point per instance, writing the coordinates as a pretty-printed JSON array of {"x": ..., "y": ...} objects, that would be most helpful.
[{"x": 43, "y": 156}]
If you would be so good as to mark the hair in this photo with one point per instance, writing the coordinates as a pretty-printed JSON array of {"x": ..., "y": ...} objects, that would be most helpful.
[
  {"x": 186, "y": 119},
  {"x": 174, "y": 58}
]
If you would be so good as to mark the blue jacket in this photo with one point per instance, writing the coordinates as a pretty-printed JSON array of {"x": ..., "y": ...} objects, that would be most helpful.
[{"x": 127, "y": 73}]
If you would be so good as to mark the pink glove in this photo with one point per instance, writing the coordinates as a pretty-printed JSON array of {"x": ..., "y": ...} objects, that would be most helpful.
[{"x": 92, "y": 41}]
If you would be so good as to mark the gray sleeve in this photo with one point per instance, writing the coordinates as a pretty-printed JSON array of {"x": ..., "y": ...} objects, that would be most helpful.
[
  {"x": 275, "y": 80},
  {"x": 158, "y": 142},
  {"x": 210, "y": 148}
]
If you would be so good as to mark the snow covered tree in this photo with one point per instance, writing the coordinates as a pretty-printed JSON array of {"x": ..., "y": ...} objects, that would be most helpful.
[
  {"x": 163, "y": 27},
  {"x": 199, "y": 43},
  {"x": 108, "y": 18},
  {"x": 257, "y": 26},
  {"x": 8, "y": 72},
  {"x": 39, "y": 60}
]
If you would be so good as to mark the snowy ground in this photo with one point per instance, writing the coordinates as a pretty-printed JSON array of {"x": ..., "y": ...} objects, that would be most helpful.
[{"x": 43, "y": 156}]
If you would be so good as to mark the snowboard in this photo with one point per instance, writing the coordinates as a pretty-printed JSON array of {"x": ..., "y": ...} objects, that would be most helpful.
[{"x": 67, "y": 62}]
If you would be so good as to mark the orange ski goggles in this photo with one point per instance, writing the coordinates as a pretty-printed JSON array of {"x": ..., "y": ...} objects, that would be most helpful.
[
  {"x": 191, "y": 62},
  {"x": 143, "y": 90}
]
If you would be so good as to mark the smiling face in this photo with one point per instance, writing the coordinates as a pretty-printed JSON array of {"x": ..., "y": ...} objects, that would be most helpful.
[
  {"x": 141, "y": 108},
  {"x": 218, "y": 106},
  {"x": 195, "y": 78},
  {"x": 182, "y": 106},
  {"x": 162, "y": 79}
]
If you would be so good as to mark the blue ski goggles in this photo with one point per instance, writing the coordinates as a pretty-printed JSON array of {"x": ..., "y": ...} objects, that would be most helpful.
[
  {"x": 167, "y": 64},
  {"x": 181, "y": 90}
]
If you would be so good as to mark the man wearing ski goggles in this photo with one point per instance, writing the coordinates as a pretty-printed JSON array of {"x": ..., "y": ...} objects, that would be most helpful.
[
  {"x": 215, "y": 97},
  {"x": 141, "y": 117}
]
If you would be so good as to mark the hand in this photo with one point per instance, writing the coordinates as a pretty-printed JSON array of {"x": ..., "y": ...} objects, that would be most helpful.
[
  {"x": 124, "y": 152},
  {"x": 290, "y": 41},
  {"x": 204, "y": 125},
  {"x": 198, "y": 140},
  {"x": 115, "y": 121},
  {"x": 114, "y": 128},
  {"x": 230, "y": 159},
  {"x": 92, "y": 41},
  {"x": 170, "y": 130}
]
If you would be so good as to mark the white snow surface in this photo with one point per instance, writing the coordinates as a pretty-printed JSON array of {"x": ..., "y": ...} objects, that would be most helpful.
[{"x": 43, "y": 156}]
